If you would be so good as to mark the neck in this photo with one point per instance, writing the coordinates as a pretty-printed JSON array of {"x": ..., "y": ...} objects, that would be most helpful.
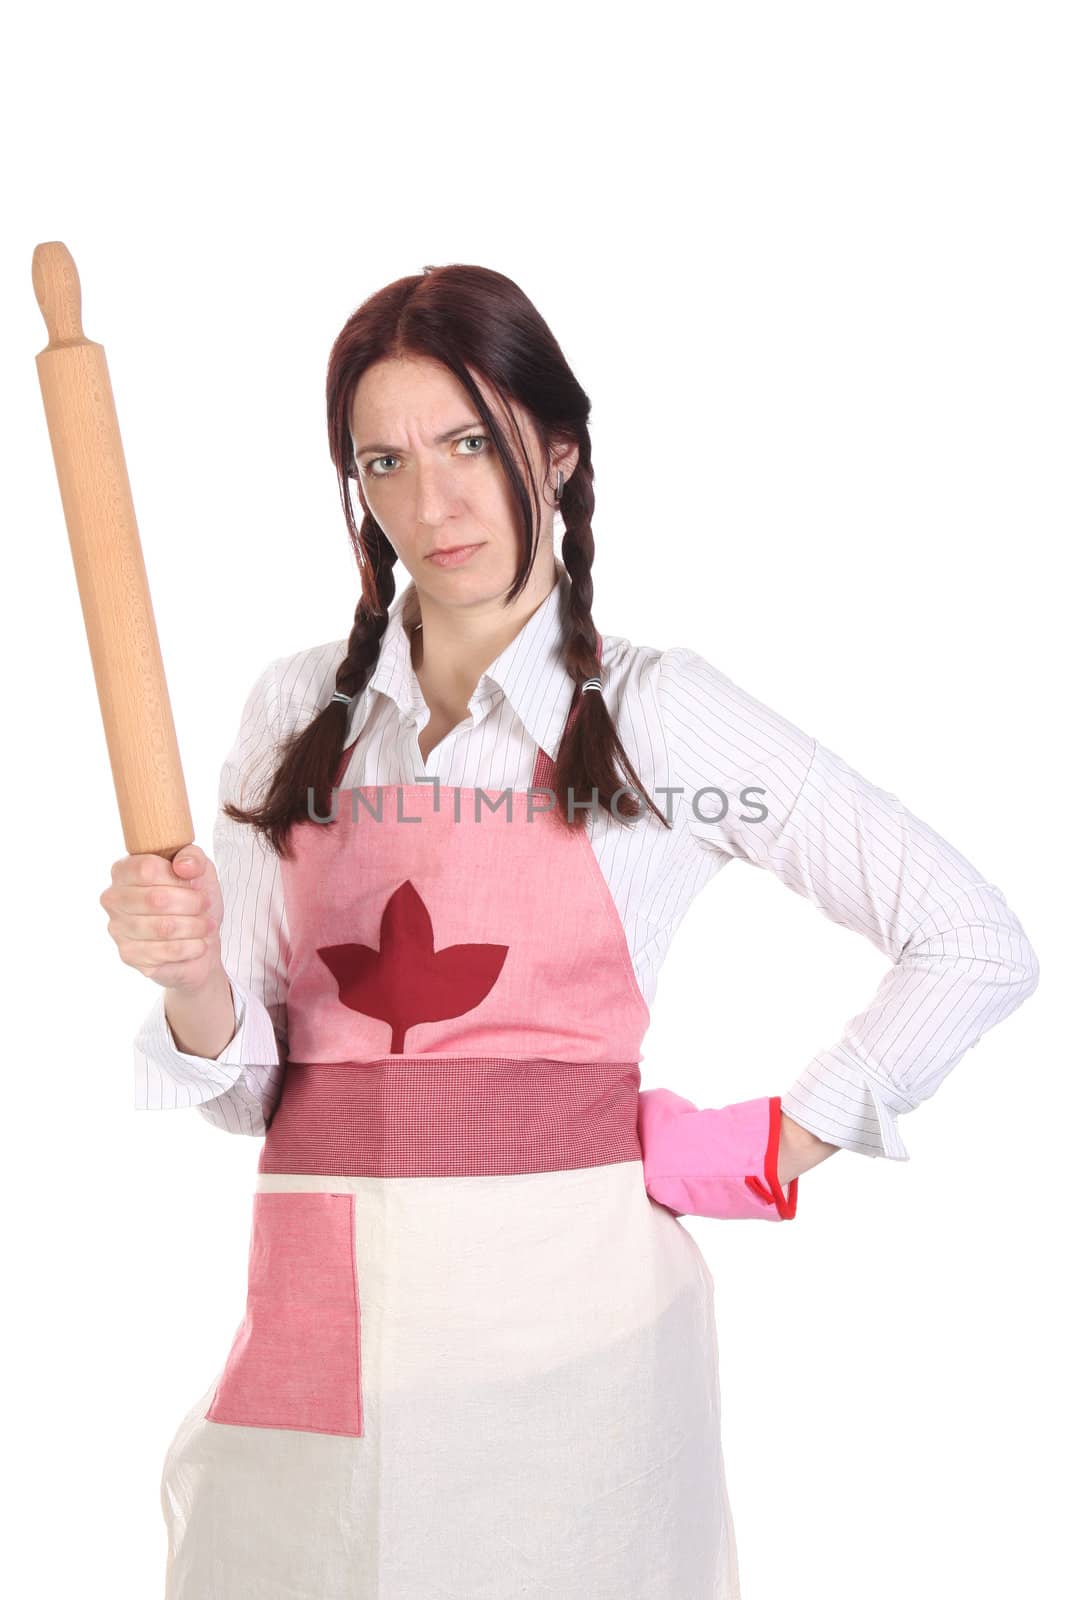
[{"x": 451, "y": 648}]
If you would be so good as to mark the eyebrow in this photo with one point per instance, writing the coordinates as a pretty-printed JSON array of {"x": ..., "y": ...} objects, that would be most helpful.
[{"x": 442, "y": 438}]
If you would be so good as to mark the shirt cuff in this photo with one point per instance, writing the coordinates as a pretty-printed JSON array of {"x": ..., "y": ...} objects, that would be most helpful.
[
  {"x": 166, "y": 1078},
  {"x": 840, "y": 1100}
]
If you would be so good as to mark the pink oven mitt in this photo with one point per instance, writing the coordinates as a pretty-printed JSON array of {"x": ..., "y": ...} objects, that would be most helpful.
[{"x": 722, "y": 1162}]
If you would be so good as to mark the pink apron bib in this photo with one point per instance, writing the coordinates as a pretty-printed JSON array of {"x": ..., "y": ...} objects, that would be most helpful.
[{"x": 476, "y": 1358}]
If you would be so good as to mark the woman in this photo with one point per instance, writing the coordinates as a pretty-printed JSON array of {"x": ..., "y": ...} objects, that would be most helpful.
[{"x": 479, "y": 1353}]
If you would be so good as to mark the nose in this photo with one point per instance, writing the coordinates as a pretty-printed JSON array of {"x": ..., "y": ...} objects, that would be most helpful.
[{"x": 436, "y": 495}]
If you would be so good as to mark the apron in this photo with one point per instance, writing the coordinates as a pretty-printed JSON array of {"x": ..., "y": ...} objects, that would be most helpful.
[{"x": 477, "y": 1360}]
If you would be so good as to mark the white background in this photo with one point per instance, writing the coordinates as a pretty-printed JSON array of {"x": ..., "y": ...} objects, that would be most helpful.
[{"x": 809, "y": 263}]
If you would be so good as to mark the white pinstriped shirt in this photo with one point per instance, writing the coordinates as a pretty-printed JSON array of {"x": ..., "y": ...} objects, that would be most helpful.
[{"x": 960, "y": 960}]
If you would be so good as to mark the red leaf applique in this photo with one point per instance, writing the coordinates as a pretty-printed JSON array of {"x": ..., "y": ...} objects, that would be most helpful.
[{"x": 406, "y": 980}]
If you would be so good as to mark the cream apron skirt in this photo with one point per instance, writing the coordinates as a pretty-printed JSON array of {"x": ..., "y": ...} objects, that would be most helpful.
[{"x": 477, "y": 1360}]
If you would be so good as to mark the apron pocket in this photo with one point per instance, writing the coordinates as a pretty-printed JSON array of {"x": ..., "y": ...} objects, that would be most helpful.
[{"x": 296, "y": 1359}]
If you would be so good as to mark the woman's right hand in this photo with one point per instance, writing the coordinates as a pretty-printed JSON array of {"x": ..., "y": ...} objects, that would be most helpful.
[{"x": 165, "y": 917}]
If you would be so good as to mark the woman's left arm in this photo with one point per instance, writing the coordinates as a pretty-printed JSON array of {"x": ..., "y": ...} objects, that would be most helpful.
[{"x": 961, "y": 960}]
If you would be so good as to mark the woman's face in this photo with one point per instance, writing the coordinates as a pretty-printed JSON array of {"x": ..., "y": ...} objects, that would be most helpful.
[{"x": 430, "y": 477}]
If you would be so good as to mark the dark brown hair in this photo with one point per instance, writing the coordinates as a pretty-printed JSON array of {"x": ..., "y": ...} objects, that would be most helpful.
[{"x": 470, "y": 319}]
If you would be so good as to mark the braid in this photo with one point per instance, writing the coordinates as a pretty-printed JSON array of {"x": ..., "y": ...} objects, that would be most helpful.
[
  {"x": 580, "y": 647},
  {"x": 368, "y": 629},
  {"x": 310, "y": 754},
  {"x": 589, "y": 752}
]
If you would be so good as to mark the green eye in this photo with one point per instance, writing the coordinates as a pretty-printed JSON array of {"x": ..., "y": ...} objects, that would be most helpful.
[{"x": 468, "y": 438}]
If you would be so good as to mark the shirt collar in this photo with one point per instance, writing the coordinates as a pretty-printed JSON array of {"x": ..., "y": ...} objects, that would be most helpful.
[{"x": 529, "y": 671}]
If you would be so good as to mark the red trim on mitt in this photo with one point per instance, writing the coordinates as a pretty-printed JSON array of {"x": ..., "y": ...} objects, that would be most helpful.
[{"x": 771, "y": 1191}]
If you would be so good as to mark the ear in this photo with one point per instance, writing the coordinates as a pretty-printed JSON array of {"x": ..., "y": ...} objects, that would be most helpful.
[{"x": 565, "y": 458}]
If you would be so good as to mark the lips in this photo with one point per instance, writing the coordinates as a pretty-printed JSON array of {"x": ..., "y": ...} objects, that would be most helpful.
[{"x": 454, "y": 556}]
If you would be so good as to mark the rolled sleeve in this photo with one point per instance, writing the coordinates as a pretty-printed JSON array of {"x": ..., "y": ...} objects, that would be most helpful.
[{"x": 166, "y": 1078}]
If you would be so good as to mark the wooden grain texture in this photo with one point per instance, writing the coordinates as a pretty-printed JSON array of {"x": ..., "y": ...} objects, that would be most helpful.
[{"x": 109, "y": 565}]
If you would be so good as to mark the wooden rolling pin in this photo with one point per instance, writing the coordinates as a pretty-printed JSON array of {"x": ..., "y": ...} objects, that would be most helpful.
[{"x": 112, "y": 583}]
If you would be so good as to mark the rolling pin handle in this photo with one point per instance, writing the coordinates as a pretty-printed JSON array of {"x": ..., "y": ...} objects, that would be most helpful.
[{"x": 59, "y": 293}]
